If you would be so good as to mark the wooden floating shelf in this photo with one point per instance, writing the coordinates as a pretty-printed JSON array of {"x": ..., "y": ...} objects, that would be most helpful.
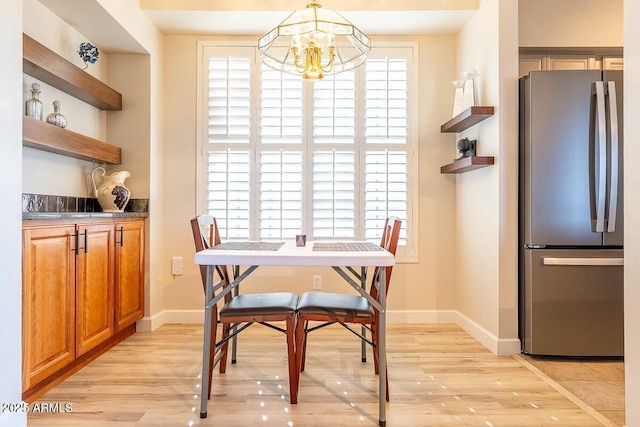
[
  {"x": 47, "y": 137},
  {"x": 466, "y": 119},
  {"x": 45, "y": 65},
  {"x": 467, "y": 163}
]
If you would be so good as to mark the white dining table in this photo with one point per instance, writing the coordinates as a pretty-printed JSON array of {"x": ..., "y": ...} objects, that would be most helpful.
[{"x": 343, "y": 257}]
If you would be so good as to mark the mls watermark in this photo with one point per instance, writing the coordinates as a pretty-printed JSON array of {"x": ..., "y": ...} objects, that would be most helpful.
[{"x": 36, "y": 407}]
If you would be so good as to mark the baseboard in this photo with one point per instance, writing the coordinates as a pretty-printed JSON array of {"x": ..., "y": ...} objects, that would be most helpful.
[
  {"x": 400, "y": 317},
  {"x": 499, "y": 347},
  {"x": 150, "y": 324},
  {"x": 393, "y": 317}
]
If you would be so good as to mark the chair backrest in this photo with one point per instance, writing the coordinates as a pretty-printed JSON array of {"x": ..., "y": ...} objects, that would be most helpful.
[
  {"x": 388, "y": 241},
  {"x": 205, "y": 236}
]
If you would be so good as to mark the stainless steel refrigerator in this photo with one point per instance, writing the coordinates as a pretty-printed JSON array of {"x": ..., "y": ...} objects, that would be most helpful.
[{"x": 570, "y": 213}]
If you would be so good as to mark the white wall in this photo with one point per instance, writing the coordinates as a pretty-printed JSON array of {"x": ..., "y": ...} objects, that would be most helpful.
[
  {"x": 631, "y": 210},
  {"x": 145, "y": 147},
  {"x": 10, "y": 214},
  {"x": 575, "y": 23},
  {"x": 508, "y": 181},
  {"x": 486, "y": 199},
  {"x": 47, "y": 173},
  {"x": 420, "y": 291}
]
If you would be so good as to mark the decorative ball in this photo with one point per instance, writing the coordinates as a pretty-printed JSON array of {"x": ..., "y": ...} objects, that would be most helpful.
[
  {"x": 463, "y": 145},
  {"x": 88, "y": 53}
]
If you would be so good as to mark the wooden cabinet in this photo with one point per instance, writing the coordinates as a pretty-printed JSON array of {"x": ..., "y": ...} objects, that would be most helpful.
[
  {"x": 83, "y": 284},
  {"x": 94, "y": 304},
  {"x": 129, "y": 304},
  {"x": 535, "y": 59},
  {"x": 48, "y": 298},
  {"x": 613, "y": 63},
  {"x": 572, "y": 62}
]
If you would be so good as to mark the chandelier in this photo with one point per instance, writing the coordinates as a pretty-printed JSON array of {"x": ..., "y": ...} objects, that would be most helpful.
[{"x": 314, "y": 42}]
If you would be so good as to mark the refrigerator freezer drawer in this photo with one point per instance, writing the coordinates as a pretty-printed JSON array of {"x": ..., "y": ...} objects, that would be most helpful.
[{"x": 573, "y": 303}]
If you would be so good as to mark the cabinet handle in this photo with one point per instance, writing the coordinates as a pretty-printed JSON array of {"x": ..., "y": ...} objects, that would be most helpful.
[
  {"x": 78, "y": 241},
  {"x": 121, "y": 236}
]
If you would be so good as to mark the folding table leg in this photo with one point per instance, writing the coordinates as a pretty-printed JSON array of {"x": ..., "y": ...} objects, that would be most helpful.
[
  {"x": 208, "y": 312},
  {"x": 382, "y": 351},
  {"x": 363, "y": 345},
  {"x": 234, "y": 340}
]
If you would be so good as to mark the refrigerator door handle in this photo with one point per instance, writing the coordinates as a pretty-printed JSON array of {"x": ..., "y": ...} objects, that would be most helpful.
[
  {"x": 600, "y": 156},
  {"x": 582, "y": 261},
  {"x": 613, "y": 129}
]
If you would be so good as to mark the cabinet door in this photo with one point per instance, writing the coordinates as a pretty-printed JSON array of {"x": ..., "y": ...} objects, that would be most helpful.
[
  {"x": 529, "y": 62},
  {"x": 572, "y": 62},
  {"x": 613, "y": 63},
  {"x": 48, "y": 297},
  {"x": 94, "y": 286},
  {"x": 129, "y": 272}
]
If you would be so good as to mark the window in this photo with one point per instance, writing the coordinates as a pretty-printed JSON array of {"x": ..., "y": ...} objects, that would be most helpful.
[{"x": 332, "y": 158}]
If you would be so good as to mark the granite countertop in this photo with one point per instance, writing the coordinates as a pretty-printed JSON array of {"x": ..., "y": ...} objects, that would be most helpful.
[
  {"x": 46, "y": 206},
  {"x": 82, "y": 215}
]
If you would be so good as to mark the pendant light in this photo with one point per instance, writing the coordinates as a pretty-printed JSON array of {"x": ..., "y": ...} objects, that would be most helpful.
[{"x": 314, "y": 42}]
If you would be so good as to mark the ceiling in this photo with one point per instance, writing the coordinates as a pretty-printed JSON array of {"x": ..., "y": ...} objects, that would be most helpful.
[
  {"x": 259, "y": 22},
  {"x": 256, "y": 17}
]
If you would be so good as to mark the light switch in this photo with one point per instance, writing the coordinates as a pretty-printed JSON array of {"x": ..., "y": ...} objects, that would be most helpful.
[{"x": 176, "y": 266}]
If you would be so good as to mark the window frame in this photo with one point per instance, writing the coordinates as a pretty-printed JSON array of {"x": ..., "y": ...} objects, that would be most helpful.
[{"x": 406, "y": 253}]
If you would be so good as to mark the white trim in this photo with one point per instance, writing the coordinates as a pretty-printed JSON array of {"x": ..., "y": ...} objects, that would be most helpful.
[
  {"x": 187, "y": 317},
  {"x": 150, "y": 324},
  {"x": 200, "y": 161},
  {"x": 499, "y": 347},
  {"x": 399, "y": 317}
]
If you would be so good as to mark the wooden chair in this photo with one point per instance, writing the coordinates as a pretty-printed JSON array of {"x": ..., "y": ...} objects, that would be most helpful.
[
  {"x": 241, "y": 311},
  {"x": 331, "y": 308}
]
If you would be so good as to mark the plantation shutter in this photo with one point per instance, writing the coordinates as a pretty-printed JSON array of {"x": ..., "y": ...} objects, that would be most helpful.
[
  {"x": 386, "y": 130},
  {"x": 334, "y": 171},
  {"x": 332, "y": 159},
  {"x": 280, "y": 155},
  {"x": 228, "y": 134}
]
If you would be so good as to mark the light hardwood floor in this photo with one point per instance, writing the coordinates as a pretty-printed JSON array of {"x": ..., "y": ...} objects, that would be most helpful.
[{"x": 438, "y": 374}]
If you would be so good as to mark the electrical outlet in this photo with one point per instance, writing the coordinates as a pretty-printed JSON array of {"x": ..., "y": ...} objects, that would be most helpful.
[
  {"x": 176, "y": 265},
  {"x": 317, "y": 282}
]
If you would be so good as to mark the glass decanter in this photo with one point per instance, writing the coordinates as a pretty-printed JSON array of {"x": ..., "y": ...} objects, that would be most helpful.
[
  {"x": 56, "y": 118},
  {"x": 34, "y": 105}
]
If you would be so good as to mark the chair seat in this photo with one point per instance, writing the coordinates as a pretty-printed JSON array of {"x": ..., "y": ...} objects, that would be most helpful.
[
  {"x": 267, "y": 304},
  {"x": 334, "y": 304}
]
